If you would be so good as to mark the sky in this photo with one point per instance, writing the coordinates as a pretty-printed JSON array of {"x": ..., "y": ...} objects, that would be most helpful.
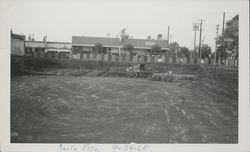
[{"x": 60, "y": 20}]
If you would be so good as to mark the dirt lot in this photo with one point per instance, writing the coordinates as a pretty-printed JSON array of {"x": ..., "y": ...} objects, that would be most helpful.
[{"x": 89, "y": 109}]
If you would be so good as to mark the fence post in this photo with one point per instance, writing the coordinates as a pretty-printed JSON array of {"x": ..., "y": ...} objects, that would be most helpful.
[
  {"x": 173, "y": 60},
  {"x": 145, "y": 59},
  {"x": 135, "y": 58},
  {"x": 152, "y": 59},
  {"x": 42, "y": 54},
  {"x": 185, "y": 60},
  {"x": 170, "y": 60},
  {"x": 113, "y": 58},
  {"x": 156, "y": 59},
  {"x": 149, "y": 59}
]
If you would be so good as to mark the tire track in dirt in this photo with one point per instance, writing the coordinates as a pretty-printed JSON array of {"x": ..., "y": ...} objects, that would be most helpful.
[{"x": 102, "y": 109}]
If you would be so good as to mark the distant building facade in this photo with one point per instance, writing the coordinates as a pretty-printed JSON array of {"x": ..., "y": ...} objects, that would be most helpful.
[
  {"x": 114, "y": 46},
  {"x": 17, "y": 43},
  {"x": 48, "y": 49}
]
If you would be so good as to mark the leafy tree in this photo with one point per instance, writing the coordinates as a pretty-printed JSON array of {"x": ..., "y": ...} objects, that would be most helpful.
[
  {"x": 123, "y": 35},
  {"x": 219, "y": 53},
  {"x": 99, "y": 48},
  {"x": 128, "y": 47},
  {"x": 206, "y": 52},
  {"x": 183, "y": 52},
  {"x": 156, "y": 49},
  {"x": 173, "y": 47},
  {"x": 213, "y": 55},
  {"x": 230, "y": 37}
]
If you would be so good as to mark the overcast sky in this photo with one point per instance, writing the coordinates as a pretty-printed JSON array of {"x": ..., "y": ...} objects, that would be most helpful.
[{"x": 60, "y": 20}]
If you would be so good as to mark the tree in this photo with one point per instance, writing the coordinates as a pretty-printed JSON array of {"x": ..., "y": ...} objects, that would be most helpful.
[
  {"x": 173, "y": 47},
  {"x": 219, "y": 54},
  {"x": 206, "y": 52},
  {"x": 128, "y": 47},
  {"x": 183, "y": 52},
  {"x": 213, "y": 55},
  {"x": 123, "y": 35},
  {"x": 230, "y": 37},
  {"x": 156, "y": 49},
  {"x": 99, "y": 48}
]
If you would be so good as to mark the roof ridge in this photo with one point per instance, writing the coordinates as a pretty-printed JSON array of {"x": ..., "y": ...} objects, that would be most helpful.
[
  {"x": 118, "y": 38},
  {"x": 95, "y": 37}
]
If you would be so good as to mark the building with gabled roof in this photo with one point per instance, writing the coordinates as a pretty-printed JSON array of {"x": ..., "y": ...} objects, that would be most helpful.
[
  {"x": 47, "y": 48},
  {"x": 86, "y": 44}
]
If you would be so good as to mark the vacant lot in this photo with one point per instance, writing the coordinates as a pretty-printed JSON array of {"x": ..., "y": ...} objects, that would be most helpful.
[{"x": 88, "y": 109}]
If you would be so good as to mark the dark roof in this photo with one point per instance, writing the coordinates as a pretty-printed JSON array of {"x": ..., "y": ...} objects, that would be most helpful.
[
  {"x": 58, "y": 42},
  {"x": 145, "y": 43},
  {"x": 49, "y": 42},
  {"x": 21, "y": 37},
  {"x": 34, "y": 41},
  {"x": 95, "y": 40}
]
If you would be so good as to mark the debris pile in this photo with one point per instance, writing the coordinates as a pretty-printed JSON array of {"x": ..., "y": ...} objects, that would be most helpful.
[
  {"x": 166, "y": 76},
  {"x": 139, "y": 71}
]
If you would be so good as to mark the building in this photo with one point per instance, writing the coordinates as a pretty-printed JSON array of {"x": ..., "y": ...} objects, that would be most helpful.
[
  {"x": 114, "y": 46},
  {"x": 47, "y": 49},
  {"x": 17, "y": 43}
]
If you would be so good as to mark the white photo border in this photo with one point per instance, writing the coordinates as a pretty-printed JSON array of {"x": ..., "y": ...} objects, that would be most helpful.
[{"x": 244, "y": 123}]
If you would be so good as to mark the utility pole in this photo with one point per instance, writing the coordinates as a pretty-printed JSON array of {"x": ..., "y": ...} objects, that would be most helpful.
[
  {"x": 223, "y": 23},
  {"x": 200, "y": 37},
  {"x": 195, "y": 29},
  {"x": 45, "y": 42},
  {"x": 170, "y": 38},
  {"x": 33, "y": 35},
  {"x": 216, "y": 39},
  {"x": 176, "y": 53},
  {"x": 168, "y": 33}
]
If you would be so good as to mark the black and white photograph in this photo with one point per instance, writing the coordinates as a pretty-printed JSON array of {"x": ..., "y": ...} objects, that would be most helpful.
[{"x": 121, "y": 72}]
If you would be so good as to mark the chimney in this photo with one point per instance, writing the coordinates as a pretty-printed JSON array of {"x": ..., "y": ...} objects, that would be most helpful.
[{"x": 159, "y": 36}]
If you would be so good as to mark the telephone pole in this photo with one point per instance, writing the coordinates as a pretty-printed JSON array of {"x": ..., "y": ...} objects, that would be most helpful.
[
  {"x": 168, "y": 33},
  {"x": 200, "y": 37},
  {"x": 223, "y": 23},
  {"x": 202, "y": 43},
  {"x": 216, "y": 39},
  {"x": 195, "y": 28},
  {"x": 45, "y": 42},
  {"x": 170, "y": 38}
]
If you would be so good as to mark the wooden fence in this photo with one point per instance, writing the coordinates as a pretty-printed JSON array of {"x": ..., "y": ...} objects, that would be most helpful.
[{"x": 134, "y": 58}]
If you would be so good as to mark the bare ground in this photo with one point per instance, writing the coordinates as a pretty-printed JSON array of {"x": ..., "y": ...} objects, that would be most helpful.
[{"x": 87, "y": 109}]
